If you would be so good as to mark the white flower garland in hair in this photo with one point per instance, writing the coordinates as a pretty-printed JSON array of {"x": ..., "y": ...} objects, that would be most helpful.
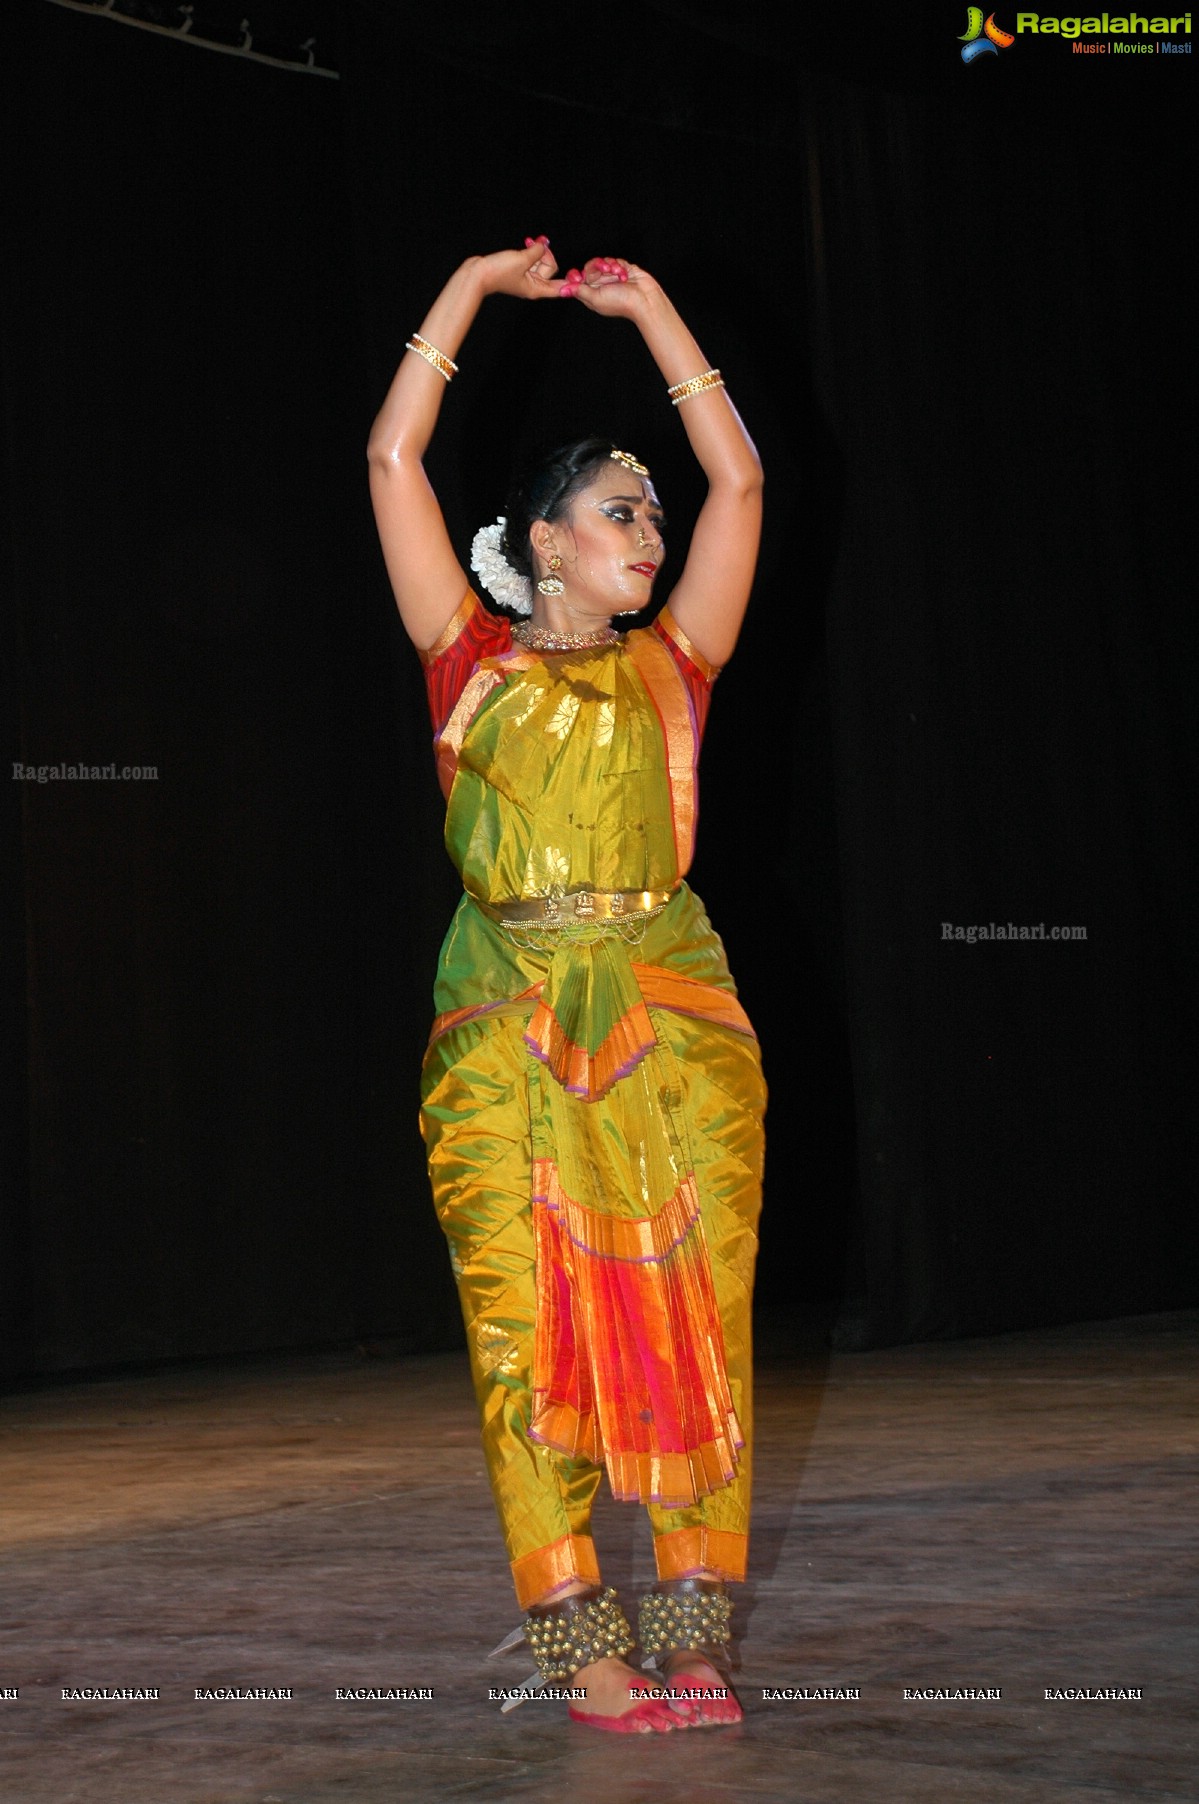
[{"x": 501, "y": 581}]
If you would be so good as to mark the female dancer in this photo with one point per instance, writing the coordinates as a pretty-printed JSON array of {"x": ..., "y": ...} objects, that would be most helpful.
[{"x": 592, "y": 1093}]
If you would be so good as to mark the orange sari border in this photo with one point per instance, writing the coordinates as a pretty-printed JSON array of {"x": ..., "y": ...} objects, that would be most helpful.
[
  {"x": 659, "y": 987},
  {"x": 636, "y": 1241},
  {"x": 538, "y": 1573},
  {"x": 449, "y": 741},
  {"x": 475, "y": 1011},
  {"x": 684, "y": 1552},
  {"x": 590, "y": 1074},
  {"x": 666, "y": 989},
  {"x": 667, "y": 691},
  {"x": 675, "y": 1481},
  {"x": 666, "y": 623},
  {"x": 457, "y": 624},
  {"x": 560, "y": 1427}
]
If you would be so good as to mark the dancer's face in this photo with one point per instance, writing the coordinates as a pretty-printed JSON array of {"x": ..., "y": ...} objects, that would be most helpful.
[{"x": 611, "y": 543}]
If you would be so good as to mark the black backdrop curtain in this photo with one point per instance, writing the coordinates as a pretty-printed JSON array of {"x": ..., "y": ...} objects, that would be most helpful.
[{"x": 948, "y": 301}]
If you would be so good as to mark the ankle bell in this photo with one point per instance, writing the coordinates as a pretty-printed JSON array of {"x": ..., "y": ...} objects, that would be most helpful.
[
  {"x": 683, "y": 1615},
  {"x": 567, "y": 1636}
]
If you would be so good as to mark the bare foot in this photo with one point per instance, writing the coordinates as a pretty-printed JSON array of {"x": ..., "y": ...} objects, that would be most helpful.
[
  {"x": 610, "y": 1685},
  {"x": 716, "y": 1705}
]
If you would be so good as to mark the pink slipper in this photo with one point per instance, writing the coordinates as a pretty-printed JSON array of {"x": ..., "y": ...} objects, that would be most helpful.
[
  {"x": 648, "y": 1718},
  {"x": 709, "y": 1710},
  {"x": 708, "y": 1705}
]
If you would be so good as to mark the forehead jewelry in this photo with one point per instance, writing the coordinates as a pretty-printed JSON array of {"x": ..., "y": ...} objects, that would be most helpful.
[{"x": 629, "y": 461}]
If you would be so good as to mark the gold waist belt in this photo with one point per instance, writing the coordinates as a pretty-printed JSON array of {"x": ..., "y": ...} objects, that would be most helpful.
[{"x": 578, "y": 905}]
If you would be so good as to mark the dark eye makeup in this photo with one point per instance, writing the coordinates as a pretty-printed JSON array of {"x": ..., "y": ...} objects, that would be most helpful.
[{"x": 625, "y": 517}]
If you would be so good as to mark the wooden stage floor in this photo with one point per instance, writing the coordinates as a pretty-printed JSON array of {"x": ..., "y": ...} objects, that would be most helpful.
[{"x": 1014, "y": 1514}]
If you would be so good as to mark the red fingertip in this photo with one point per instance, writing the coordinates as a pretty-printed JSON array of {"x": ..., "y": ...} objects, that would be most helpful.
[
  {"x": 542, "y": 239},
  {"x": 529, "y": 244}
]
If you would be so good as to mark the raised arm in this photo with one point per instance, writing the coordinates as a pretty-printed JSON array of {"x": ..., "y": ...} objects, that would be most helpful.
[
  {"x": 426, "y": 577},
  {"x": 710, "y": 597}
]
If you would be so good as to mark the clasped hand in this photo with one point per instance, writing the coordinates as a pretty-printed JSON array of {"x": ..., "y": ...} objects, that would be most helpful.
[{"x": 608, "y": 285}]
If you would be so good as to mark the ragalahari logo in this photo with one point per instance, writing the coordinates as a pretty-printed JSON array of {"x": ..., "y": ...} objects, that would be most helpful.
[{"x": 982, "y": 37}]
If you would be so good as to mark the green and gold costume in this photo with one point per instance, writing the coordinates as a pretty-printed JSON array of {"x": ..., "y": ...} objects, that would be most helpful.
[{"x": 592, "y": 1099}]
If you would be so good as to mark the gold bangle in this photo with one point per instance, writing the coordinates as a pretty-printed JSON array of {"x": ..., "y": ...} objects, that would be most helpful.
[
  {"x": 683, "y": 391},
  {"x": 445, "y": 366}
]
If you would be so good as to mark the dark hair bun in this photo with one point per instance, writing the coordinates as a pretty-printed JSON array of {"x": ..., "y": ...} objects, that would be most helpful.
[{"x": 545, "y": 491}]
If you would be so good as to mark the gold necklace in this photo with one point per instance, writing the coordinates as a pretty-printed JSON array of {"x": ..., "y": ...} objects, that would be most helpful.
[{"x": 544, "y": 638}]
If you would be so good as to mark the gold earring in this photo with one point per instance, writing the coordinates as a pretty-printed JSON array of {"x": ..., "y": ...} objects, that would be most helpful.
[{"x": 552, "y": 584}]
